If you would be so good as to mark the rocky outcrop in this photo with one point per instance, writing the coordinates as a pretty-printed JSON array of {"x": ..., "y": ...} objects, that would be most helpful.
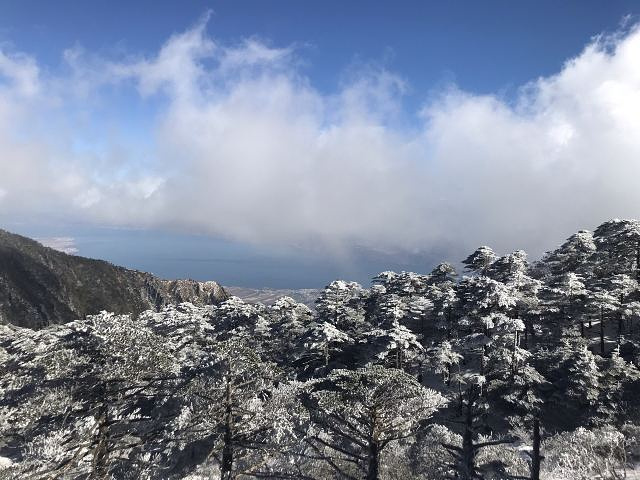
[{"x": 40, "y": 286}]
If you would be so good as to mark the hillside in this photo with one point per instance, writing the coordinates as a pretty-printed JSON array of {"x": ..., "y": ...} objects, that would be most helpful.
[{"x": 40, "y": 286}]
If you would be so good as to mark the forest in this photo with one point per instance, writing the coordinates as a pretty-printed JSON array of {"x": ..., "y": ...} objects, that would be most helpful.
[{"x": 506, "y": 369}]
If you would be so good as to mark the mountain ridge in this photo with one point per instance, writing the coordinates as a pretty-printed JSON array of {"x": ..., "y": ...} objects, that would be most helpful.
[{"x": 41, "y": 286}]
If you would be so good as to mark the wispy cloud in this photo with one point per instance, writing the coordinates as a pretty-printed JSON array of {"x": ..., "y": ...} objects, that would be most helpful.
[
  {"x": 246, "y": 148},
  {"x": 22, "y": 73}
]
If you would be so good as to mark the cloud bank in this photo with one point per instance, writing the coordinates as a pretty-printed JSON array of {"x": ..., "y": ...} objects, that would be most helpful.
[{"x": 238, "y": 143}]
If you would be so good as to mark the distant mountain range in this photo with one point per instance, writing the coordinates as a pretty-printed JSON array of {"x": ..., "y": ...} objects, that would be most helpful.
[
  {"x": 40, "y": 286},
  {"x": 268, "y": 296}
]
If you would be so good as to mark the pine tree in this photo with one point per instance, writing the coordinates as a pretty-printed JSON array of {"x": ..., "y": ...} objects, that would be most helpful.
[
  {"x": 480, "y": 260},
  {"x": 623, "y": 287},
  {"x": 442, "y": 273},
  {"x": 419, "y": 311},
  {"x": 568, "y": 294},
  {"x": 444, "y": 297},
  {"x": 472, "y": 410},
  {"x": 288, "y": 321},
  {"x": 340, "y": 305},
  {"x": 392, "y": 342},
  {"x": 403, "y": 284},
  {"x": 572, "y": 256},
  {"x": 583, "y": 378},
  {"x": 618, "y": 243},
  {"x": 616, "y": 376},
  {"x": 226, "y": 402},
  {"x": 321, "y": 341},
  {"x": 358, "y": 413},
  {"x": 443, "y": 359}
]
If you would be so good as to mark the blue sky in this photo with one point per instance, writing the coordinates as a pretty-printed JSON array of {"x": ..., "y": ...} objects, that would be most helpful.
[
  {"x": 287, "y": 143},
  {"x": 483, "y": 46}
]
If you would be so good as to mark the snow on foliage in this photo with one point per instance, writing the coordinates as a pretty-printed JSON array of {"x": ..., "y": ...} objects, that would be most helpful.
[{"x": 514, "y": 371}]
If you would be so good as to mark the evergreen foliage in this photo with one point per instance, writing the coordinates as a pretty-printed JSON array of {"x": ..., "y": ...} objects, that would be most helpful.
[{"x": 426, "y": 376}]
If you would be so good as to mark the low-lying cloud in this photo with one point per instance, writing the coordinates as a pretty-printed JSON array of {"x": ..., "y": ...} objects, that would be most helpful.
[
  {"x": 241, "y": 145},
  {"x": 62, "y": 244}
]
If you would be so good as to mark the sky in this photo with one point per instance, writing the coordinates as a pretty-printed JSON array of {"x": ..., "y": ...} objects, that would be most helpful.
[{"x": 285, "y": 144}]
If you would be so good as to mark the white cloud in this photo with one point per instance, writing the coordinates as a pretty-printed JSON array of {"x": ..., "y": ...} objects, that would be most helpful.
[
  {"x": 177, "y": 69},
  {"x": 248, "y": 149},
  {"x": 22, "y": 73},
  {"x": 251, "y": 52},
  {"x": 62, "y": 244}
]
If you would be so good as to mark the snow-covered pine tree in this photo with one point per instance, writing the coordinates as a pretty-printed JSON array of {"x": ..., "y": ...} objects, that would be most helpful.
[
  {"x": 392, "y": 342},
  {"x": 444, "y": 358},
  {"x": 618, "y": 244},
  {"x": 340, "y": 304},
  {"x": 472, "y": 408},
  {"x": 616, "y": 376},
  {"x": 288, "y": 321},
  {"x": 480, "y": 260},
  {"x": 320, "y": 342},
  {"x": 583, "y": 379},
  {"x": 444, "y": 297},
  {"x": 226, "y": 398},
  {"x": 566, "y": 297},
  {"x": 419, "y": 312},
  {"x": 358, "y": 413},
  {"x": 574, "y": 255},
  {"x": 625, "y": 289},
  {"x": 442, "y": 273}
]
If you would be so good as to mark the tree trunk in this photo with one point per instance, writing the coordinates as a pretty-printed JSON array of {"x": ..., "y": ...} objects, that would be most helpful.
[
  {"x": 620, "y": 327},
  {"x": 582, "y": 329},
  {"x": 373, "y": 460},
  {"x": 227, "y": 450},
  {"x": 638, "y": 259},
  {"x": 100, "y": 468},
  {"x": 536, "y": 459},
  {"x": 373, "y": 454},
  {"x": 601, "y": 331},
  {"x": 468, "y": 460},
  {"x": 620, "y": 318},
  {"x": 514, "y": 366}
]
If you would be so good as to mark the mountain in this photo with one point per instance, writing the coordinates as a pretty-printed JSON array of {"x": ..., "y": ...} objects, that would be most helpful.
[
  {"x": 268, "y": 296},
  {"x": 40, "y": 286}
]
